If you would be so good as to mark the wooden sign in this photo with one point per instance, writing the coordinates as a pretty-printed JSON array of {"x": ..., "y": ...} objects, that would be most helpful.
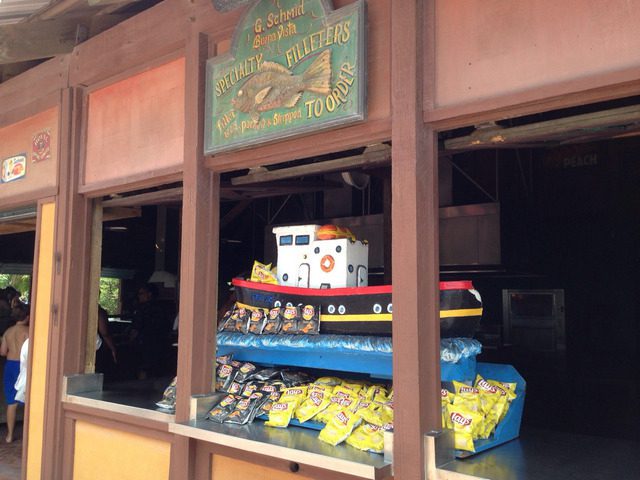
[
  {"x": 295, "y": 66},
  {"x": 14, "y": 168}
]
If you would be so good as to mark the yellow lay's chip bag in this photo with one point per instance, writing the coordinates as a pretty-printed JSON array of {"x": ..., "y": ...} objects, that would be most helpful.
[
  {"x": 367, "y": 437},
  {"x": 464, "y": 390},
  {"x": 446, "y": 398},
  {"x": 262, "y": 273},
  {"x": 294, "y": 393},
  {"x": 314, "y": 404},
  {"x": 337, "y": 404},
  {"x": 340, "y": 427},
  {"x": 377, "y": 393},
  {"x": 508, "y": 388},
  {"x": 489, "y": 394},
  {"x": 280, "y": 413},
  {"x": 465, "y": 423},
  {"x": 331, "y": 381}
]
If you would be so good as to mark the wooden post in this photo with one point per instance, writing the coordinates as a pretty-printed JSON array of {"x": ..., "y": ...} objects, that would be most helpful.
[
  {"x": 95, "y": 261},
  {"x": 199, "y": 254},
  {"x": 70, "y": 295},
  {"x": 416, "y": 327}
]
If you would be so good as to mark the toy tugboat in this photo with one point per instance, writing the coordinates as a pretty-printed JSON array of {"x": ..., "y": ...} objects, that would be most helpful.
[{"x": 326, "y": 266}]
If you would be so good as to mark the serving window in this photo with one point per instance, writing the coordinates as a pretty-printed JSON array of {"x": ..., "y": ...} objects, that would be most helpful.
[{"x": 132, "y": 329}]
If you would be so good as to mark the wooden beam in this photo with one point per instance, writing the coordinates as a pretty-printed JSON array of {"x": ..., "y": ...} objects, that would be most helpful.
[
  {"x": 254, "y": 192},
  {"x": 372, "y": 157},
  {"x": 17, "y": 227},
  {"x": 170, "y": 195},
  {"x": 587, "y": 126},
  {"x": 118, "y": 213},
  {"x": 48, "y": 38},
  {"x": 235, "y": 211}
]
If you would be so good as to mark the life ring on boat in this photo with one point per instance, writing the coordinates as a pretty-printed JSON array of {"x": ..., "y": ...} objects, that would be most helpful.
[{"x": 327, "y": 263}]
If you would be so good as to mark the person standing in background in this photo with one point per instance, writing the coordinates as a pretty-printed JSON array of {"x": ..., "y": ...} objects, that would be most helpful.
[
  {"x": 106, "y": 353},
  {"x": 21, "y": 382},
  {"x": 149, "y": 332},
  {"x": 11, "y": 345}
]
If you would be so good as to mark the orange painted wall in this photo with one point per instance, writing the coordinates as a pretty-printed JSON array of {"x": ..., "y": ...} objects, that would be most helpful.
[
  {"x": 104, "y": 454},
  {"x": 136, "y": 126},
  {"x": 17, "y": 139},
  {"x": 226, "y": 468},
  {"x": 39, "y": 344},
  {"x": 486, "y": 48}
]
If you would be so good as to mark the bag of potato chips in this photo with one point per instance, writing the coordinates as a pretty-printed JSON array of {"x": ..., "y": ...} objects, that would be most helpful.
[
  {"x": 340, "y": 427},
  {"x": 314, "y": 404},
  {"x": 367, "y": 437},
  {"x": 262, "y": 273},
  {"x": 465, "y": 423},
  {"x": 280, "y": 413}
]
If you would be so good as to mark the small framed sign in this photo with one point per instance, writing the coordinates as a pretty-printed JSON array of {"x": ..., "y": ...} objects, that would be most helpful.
[
  {"x": 14, "y": 168},
  {"x": 295, "y": 66}
]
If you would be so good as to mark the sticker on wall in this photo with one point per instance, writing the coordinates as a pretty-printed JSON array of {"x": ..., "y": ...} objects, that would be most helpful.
[
  {"x": 14, "y": 168},
  {"x": 41, "y": 146}
]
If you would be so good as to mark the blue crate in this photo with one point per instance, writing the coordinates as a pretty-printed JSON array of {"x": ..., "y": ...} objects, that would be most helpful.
[
  {"x": 464, "y": 370},
  {"x": 509, "y": 428}
]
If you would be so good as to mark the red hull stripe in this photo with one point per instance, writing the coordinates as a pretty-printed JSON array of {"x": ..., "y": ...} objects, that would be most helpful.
[{"x": 332, "y": 292}]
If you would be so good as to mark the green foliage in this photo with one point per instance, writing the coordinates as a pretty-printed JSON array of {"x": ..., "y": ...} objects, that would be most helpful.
[
  {"x": 110, "y": 294},
  {"x": 22, "y": 283}
]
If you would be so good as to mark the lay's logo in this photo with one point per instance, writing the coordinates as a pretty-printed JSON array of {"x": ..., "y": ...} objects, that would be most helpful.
[
  {"x": 460, "y": 419},
  {"x": 279, "y": 407},
  {"x": 342, "y": 418},
  {"x": 468, "y": 390},
  {"x": 487, "y": 387}
]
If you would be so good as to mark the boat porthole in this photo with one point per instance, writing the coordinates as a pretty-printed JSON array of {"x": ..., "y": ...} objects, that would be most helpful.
[
  {"x": 316, "y": 250},
  {"x": 350, "y": 268},
  {"x": 377, "y": 308},
  {"x": 338, "y": 249},
  {"x": 277, "y": 304},
  {"x": 341, "y": 309},
  {"x": 331, "y": 309},
  {"x": 285, "y": 277},
  {"x": 390, "y": 308}
]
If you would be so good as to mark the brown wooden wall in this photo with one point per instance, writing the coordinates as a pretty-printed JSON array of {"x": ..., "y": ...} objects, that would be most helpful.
[
  {"x": 136, "y": 127},
  {"x": 29, "y": 104},
  {"x": 492, "y": 54},
  {"x": 17, "y": 139}
]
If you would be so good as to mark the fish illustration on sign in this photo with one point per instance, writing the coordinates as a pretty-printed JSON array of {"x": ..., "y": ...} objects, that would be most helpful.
[{"x": 275, "y": 86}]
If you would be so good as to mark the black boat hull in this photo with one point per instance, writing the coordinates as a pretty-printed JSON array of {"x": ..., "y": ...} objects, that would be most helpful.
[{"x": 366, "y": 310}]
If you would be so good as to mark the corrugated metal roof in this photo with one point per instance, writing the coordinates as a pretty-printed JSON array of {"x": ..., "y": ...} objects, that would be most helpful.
[{"x": 14, "y": 11}]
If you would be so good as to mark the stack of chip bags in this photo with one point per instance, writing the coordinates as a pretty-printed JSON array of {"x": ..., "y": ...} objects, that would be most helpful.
[{"x": 473, "y": 412}]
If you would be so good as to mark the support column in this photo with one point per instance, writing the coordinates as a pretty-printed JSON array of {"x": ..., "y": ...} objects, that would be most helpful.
[
  {"x": 69, "y": 302},
  {"x": 416, "y": 324},
  {"x": 199, "y": 254}
]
